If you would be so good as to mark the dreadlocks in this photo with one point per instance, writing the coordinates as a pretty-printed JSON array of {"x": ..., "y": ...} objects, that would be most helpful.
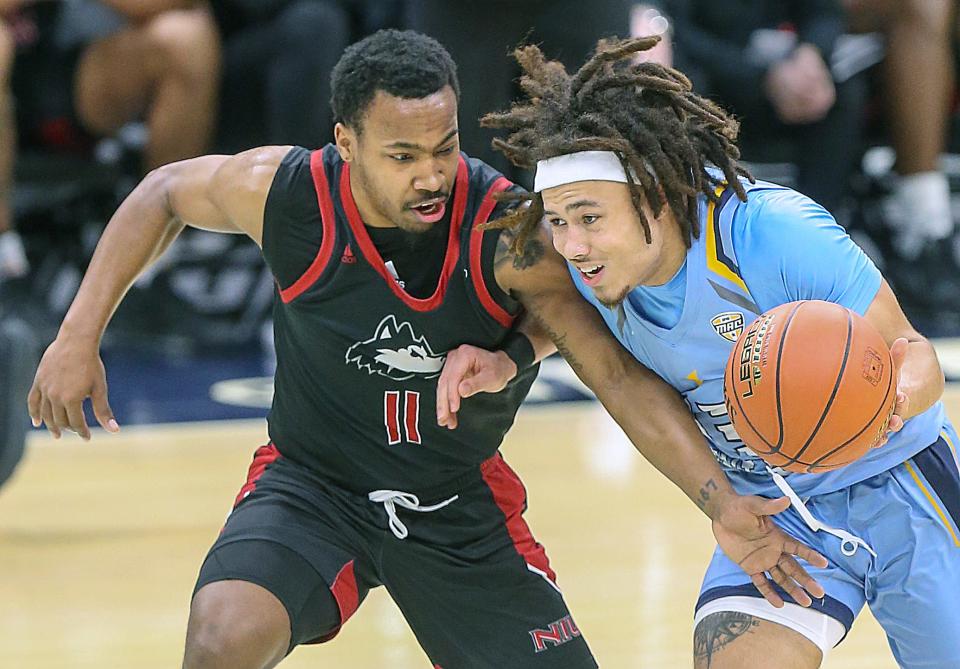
[{"x": 664, "y": 134}]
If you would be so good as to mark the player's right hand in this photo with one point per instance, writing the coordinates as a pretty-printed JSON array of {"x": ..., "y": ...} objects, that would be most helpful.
[{"x": 70, "y": 372}]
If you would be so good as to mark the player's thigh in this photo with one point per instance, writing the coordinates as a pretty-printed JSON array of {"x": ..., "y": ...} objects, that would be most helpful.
[
  {"x": 477, "y": 588},
  {"x": 914, "y": 595},
  {"x": 737, "y": 640},
  {"x": 291, "y": 538},
  {"x": 496, "y": 613},
  {"x": 744, "y": 615}
]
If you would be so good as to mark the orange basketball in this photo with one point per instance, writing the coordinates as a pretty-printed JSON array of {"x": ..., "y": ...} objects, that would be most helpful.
[{"x": 809, "y": 386}]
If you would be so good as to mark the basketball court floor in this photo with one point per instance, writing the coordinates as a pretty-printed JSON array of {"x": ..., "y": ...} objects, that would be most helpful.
[{"x": 100, "y": 543}]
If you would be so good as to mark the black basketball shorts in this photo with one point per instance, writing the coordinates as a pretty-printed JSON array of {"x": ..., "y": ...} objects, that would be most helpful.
[{"x": 472, "y": 582}]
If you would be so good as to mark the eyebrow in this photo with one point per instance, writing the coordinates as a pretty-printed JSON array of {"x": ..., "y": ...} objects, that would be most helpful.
[
  {"x": 579, "y": 204},
  {"x": 419, "y": 147}
]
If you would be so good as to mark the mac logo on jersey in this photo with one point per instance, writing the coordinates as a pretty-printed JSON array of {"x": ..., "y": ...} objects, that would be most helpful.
[
  {"x": 728, "y": 325},
  {"x": 396, "y": 352}
]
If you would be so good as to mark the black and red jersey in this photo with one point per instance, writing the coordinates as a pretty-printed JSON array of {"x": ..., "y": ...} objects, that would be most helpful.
[{"x": 357, "y": 356}]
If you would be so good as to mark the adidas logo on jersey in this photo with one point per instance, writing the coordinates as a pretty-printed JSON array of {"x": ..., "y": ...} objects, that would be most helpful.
[{"x": 348, "y": 257}]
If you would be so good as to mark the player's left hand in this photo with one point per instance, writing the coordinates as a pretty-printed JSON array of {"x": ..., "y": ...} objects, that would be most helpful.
[
  {"x": 898, "y": 351},
  {"x": 469, "y": 370},
  {"x": 749, "y": 537}
]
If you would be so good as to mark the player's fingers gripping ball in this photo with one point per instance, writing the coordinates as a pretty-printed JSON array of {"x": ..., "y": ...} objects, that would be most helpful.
[{"x": 809, "y": 386}]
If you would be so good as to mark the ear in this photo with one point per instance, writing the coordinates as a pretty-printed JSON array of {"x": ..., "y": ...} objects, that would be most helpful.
[{"x": 346, "y": 140}]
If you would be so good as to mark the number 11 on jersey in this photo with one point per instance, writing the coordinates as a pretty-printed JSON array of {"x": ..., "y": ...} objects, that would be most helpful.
[{"x": 410, "y": 420}]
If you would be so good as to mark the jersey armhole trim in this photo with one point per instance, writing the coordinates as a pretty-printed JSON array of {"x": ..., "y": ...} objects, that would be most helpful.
[
  {"x": 718, "y": 261},
  {"x": 476, "y": 246},
  {"x": 329, "y": 232}
]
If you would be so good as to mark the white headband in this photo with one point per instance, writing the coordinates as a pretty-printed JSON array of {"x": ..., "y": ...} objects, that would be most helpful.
[{"x": 580, "y": 166}]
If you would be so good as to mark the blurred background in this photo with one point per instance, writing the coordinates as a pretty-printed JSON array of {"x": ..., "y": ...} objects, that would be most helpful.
[{"x": 853, "y": 102}]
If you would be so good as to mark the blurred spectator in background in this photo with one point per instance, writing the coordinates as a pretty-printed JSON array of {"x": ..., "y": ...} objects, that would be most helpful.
[
  {"x": 768, "y": 61},
  {"x": 278, "y": 55},
  {"x": 480, "y": 36},
  {"x": 13, "y": 261},
  {"x": 77, "y": 71},
  {"x": 918, "y": 88}
]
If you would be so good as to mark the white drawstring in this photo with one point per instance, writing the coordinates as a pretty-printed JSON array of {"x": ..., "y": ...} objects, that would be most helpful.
[
  {"x": 391, "y": 499},
  {"x": 848, "y": 542}
]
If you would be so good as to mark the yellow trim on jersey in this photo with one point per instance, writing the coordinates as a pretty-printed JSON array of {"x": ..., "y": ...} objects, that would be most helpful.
[
  {"x": 713, "y": 258},
  {"x": 936, "y": 507},
  {"x": 946, "y": 438}
]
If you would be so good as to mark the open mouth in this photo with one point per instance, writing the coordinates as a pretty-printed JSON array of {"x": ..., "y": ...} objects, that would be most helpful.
[
  {"x": 591, "y": 273},
  {"x": 430, "y": 211},
  {"x": 429, "y": 208}
]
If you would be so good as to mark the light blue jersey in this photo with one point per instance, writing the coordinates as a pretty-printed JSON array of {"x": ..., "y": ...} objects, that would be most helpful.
[
  {"x": 777, "y": 247},
  {"x": 902, "y": 501}
]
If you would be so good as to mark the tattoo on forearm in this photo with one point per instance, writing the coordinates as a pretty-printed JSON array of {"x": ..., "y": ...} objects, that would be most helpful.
[
  {"x": 532, "y": 252},
  {"x": 719, "y": 630},
  {"x": 705, "y": 493},
  {"x": 560, "y": 341}
]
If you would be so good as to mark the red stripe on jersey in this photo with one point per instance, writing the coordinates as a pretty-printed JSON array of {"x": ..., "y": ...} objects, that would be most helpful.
[
  {"x": 476, "y": 247},
  {"x": 344, "y": 590},
  {"x": 511, "y": 497},
  {"x": 460, "y": 188},
  {"x": 411, "y": 412},
  {"x": 391, "y": 415},
  {"x": 329, "y": 232},
  {"x": 261, "y": 458}
]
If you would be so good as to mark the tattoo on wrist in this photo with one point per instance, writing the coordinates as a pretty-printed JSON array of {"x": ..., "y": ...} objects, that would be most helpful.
[
  {"x": 719, "y": 630},
  {"x": 704, "y": 497}
]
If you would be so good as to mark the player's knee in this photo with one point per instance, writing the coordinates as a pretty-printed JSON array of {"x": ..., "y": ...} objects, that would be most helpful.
[
  {"x": 186, "y": 42},
  {"x": 227, "y": 628}
]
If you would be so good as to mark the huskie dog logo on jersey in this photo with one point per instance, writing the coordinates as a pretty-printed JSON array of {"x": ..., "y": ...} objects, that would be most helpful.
[
  {"x": 728, "y": 325},
  {"x": 396, "y": 352}
]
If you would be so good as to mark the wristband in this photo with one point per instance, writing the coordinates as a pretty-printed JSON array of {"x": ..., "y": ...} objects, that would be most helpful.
[{"x": 519, "y": 349}]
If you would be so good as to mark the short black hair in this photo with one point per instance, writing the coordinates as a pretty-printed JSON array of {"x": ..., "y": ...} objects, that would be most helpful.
[{"x": 402, "y": 63}]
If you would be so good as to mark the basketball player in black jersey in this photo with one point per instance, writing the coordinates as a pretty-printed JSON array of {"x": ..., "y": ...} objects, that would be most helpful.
[{"x": 382, "y": 269}]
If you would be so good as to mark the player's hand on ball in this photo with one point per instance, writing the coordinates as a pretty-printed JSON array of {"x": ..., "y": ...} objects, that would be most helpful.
[
  {"x": 469, "y": 370},
  {"x": 898, "y": 351},
  {"x": 746, "y": 534},
  {"x": 70, "y": 372}
]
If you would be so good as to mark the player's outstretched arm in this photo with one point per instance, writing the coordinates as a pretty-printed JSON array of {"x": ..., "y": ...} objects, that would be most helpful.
[
  {"x": 657, "y": 421},
  {"x": 221, "y": 193}
]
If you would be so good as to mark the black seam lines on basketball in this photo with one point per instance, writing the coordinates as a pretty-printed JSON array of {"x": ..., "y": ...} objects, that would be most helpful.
[
  {"x": 783, "y": 341},
  {"x": 882, "y": 407},
  {"x": 833, "y": 395},
  {"x": 743, "y": 414}
]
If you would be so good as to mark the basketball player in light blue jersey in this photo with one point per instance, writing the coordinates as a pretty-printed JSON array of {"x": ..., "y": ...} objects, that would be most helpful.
[{"x": 637, "y": 181}]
